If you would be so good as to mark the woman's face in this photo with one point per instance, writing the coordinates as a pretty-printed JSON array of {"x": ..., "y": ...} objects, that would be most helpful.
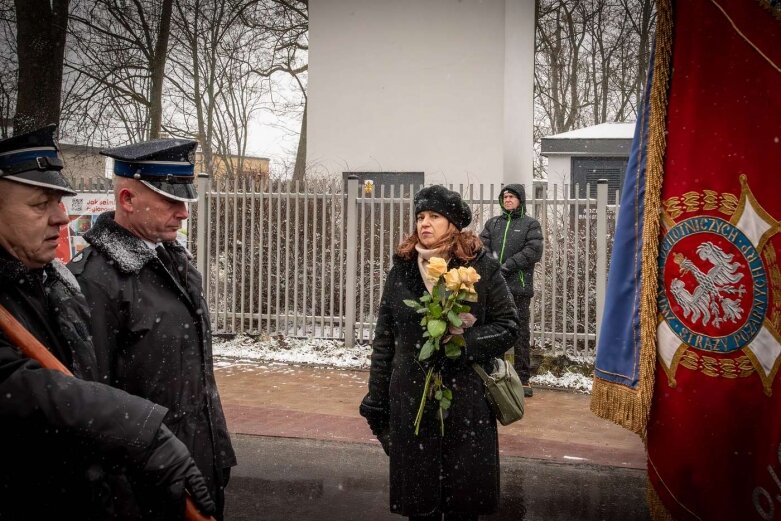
[{"x": 431, "y": 227}]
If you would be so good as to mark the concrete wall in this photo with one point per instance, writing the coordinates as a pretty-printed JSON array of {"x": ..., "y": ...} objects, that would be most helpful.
[
  {"x": 421, "y": 85},
  {"x": 559, "y": 169}
]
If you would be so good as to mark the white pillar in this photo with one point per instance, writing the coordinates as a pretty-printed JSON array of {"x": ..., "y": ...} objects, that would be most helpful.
[{"x": 519, "y": 92}]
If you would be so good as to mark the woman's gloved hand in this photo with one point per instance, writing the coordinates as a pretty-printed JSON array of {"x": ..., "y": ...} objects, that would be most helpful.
[{"x": 377, "y": 416}]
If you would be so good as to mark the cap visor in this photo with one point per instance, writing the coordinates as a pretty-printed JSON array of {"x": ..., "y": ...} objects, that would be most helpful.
[
  {"x": 47, "y": 179},
  {"x": 177, "y": 191}
]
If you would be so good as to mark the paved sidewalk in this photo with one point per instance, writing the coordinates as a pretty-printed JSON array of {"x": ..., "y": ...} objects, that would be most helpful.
[{"x": 269, "y": 399}]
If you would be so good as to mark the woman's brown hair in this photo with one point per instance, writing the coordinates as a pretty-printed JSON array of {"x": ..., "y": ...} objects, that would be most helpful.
[{"x": 461, "y": 244}]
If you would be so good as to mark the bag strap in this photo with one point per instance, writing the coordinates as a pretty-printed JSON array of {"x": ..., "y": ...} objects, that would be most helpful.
[{"x": 479, "y": 370}]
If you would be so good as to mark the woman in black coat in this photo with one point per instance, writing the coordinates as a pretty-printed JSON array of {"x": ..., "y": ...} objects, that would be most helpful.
[{"x": 455, "y": 473}]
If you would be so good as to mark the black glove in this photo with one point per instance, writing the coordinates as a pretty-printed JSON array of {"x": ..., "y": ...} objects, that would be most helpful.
[
  {"x": 377, "y": 416},
  {"x": 170, "y": 470}
]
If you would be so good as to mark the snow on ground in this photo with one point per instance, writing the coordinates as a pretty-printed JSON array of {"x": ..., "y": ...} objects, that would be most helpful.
[
  {"x": 333, "y": 353},
  {"x": 574, "y": 381},
  {"x": 313, "y": 351}
]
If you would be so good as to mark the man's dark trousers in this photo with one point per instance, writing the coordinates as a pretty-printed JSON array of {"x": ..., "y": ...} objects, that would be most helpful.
[{"x": 522, "y": 348}]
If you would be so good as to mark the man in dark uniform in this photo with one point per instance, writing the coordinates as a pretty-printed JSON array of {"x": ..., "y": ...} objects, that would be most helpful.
[
  {"x": 63, "y": 438},
  {"x": 151, "y": 321},
  {"x": 516, "y": 240}
]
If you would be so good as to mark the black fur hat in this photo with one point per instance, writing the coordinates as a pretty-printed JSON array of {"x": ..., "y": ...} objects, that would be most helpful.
[{"x": 437, "y": 198}]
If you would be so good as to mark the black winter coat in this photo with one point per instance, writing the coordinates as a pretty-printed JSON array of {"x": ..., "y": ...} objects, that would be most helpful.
[
  {"x": 460, "y": 471},
  {"x": 154, "y": 333},
  {"x": 61, "y": 435},
  {"x": 515, "y": 239}
]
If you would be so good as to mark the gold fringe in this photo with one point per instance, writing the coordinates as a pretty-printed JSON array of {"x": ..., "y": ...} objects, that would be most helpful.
[
  {"x": 774, "y": 11},
  {"x": 619, "y": 404},
  {"x": 657, "y": 145},
  {"x": 656, "y": 509}
]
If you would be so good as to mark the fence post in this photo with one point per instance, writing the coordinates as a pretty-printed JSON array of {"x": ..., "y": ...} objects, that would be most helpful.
[
  {"x": 201, "y": 254},
  {"x": 601, "y": 275},
  {"x": 351, "y": 253}
]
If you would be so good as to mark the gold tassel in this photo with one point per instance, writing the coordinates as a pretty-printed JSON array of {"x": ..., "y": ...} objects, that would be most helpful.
[
  {"x": 627, "y": 407},
  {"x": 619, "y": 404},
  {"x": 656, "y": 509},
  {"x": 774, "y": 11},
  {"x": 657, "y": 144}
]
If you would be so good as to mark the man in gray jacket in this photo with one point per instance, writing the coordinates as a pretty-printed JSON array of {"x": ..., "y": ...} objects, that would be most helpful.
[{"x": 516, "y": 240}]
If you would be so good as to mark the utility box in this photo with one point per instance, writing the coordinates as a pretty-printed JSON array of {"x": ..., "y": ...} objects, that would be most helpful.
[{"x": 582, "y": 157}]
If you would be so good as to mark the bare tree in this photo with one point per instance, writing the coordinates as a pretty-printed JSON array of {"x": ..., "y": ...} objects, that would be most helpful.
[
  {"x": 590, "y": 61},
  {"x": 641, "y": 15},
  {"x": 157, "y": 69},
  {"x": 211, "y": 57},
  {"x": 40, "y": 45},
  {"x": 8, "y": 66},
  {"x": 224, "y": 56},
  {"x": 288, "y": 23},
  {"x": 115, "y": 69}
]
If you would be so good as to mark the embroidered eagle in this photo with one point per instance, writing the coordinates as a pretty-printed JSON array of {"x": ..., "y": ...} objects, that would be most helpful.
[{"x": 717, "y": 294}]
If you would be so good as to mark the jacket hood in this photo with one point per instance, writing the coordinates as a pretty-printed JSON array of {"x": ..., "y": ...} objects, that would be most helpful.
[{"x": 519, "y": 191}]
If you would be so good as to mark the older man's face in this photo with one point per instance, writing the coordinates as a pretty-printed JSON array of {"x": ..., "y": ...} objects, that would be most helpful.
[
  {"x": 153, "y": 216},
  {"x": 30, "y": 221},
  {"x": 510, "y": 201}
]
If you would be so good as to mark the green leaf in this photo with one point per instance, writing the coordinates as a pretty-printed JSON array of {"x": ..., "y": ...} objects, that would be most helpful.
[
  {"x": 452, "y": 351},
  {"x": 426, "y": 298},
  {"x": 470, "y": 297},
  {"x": 436, "y": 328},
  {"x": 435, "y": 309},
  {"x": 426, "y": 351},
  {"x": 444, "y": 403},
  {"x": 447, "y": 393},
  {"x": 452, "y": 316},
  {"x": 412, "y": 303},
  {"x": 461, "y": 308},
  {"x": 423, "y": 321},
  {"x": 457, "y": 340},
  {"x": 425, "y": 334},
  {"x": 438, "y": 394}
]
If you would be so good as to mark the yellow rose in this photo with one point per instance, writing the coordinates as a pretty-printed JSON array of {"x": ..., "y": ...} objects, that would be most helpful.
[
  {"x": 469, "y": 278},
  {"x": 437, "y": 266},
  {"x": 471, "y": 295},
  {"x": 453, "y": 280}
]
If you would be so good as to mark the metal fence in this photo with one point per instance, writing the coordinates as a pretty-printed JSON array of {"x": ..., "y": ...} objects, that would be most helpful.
[{"x": 309, "y": 259}]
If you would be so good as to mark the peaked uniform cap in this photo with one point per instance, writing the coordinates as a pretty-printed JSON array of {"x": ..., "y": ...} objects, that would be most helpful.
[
  {"x": 34, "y": 159},
  {"x": 437, "y": 198},
  {"x": 167, "y": 166}
]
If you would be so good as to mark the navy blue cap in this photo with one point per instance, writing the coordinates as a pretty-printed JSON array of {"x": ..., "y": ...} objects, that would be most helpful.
[
  {"x": 165, "y": 165},
  {"x": 34, "y": 159}
]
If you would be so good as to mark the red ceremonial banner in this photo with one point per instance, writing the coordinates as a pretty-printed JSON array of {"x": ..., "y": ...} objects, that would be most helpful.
[{"x": 714, "y": 433}]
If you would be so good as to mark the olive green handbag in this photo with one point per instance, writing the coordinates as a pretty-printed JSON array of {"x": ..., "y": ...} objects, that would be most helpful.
[{"x": 503, "y": 390}]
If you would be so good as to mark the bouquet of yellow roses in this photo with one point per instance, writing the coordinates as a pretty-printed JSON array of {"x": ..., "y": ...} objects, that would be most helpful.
[{"x": 445, "y": 316}]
